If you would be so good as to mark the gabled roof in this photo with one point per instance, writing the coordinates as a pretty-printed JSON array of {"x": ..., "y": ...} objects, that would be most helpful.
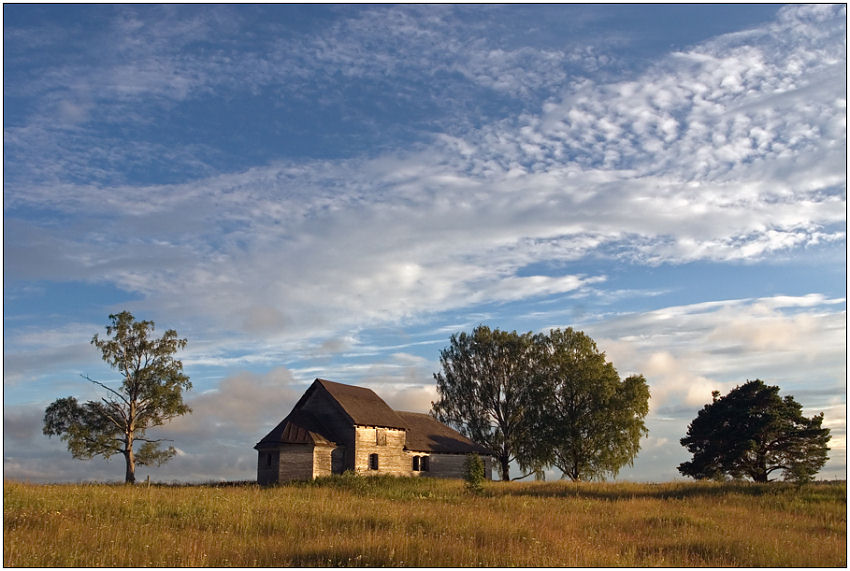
[
  {"x": 427, "y": 434},
  {"x": 300, "y": 427},
  {"x": 361, "y": 405}
]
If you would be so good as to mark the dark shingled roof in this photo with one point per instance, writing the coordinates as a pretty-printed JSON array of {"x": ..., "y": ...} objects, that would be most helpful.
[
  {"x": 362, "y": 405},
  {"x": 427, "y": 434},
  {"x": 300, "y": 427},
  {"x": 423, "y": 432}
]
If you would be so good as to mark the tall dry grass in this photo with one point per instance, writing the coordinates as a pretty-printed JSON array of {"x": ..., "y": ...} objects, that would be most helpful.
[{"x": 352, "y": 521}]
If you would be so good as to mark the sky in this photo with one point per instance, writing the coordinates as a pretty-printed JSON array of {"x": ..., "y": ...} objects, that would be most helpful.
[{"x": 334, "y": 190}]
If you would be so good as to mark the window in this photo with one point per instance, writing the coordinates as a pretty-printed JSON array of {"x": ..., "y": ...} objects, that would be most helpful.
[
  {"x": 424, "y": 464},
  {"x": 380, "y": 436},
  {"x": 416, "y": 463},
  {"x": 269, "y": 460},
  {"x": 373, "y": 461}
]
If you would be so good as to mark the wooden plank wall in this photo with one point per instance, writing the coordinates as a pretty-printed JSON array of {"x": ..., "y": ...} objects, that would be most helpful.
[
  {"x": 323, "y": 407},
  {"x": 267, "y": 462},
  {"x": 296, "y": 462},
  {"x": 392, "y": 458},
  {"x": 327, "y": 460}
]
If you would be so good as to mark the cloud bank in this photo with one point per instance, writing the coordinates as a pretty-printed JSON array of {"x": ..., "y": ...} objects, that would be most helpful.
[{"x": 473, "y": 172}]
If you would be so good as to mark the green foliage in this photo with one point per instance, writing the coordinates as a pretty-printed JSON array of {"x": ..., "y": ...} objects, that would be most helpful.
[
  {"x": 542, "y": 400},
  {"x": 86, "y": 428},
  {"x": 473, "y": 473},
  {"x": 591, "y": 422},
  {"x": 753, "y": 432},
  {"x": 150, "y": 394},
  {"x": 485, "y": 388},
  {"x": 383, "y": 486}
]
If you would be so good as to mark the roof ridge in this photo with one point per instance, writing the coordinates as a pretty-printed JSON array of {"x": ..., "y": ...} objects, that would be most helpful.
[{"x": 361, "y": 404}]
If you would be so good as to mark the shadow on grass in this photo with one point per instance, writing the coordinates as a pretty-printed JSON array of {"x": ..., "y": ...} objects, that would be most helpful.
[
  {"x": 398, "y": 488},
  {"x": 339, "y": 558},
  {"x": 676, "y": 491}
]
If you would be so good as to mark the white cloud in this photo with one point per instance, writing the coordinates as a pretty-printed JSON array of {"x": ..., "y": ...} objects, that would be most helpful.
[
  {"x": 240, "y": 406},
  {"x": 215, "y": 441},
  {"x": 786, "y": 338},
  {"x": 686, "y": 352},
  {"x": 733, "y": 149}
]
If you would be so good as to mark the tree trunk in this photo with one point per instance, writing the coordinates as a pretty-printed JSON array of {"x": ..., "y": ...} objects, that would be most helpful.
[
  {"x": 759, "y": 472},
  {"x": 130, "y": 474},
  {"x": 505, "y": 462},
  {"x": 574, "y": 473}
]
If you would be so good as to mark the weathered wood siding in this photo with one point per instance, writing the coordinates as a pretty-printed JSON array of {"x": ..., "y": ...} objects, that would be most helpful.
[
  {"x": 446, "y": 465},
  {"x": 355, "y": 444},
  {"x": 327, "y": 460},
  {"x": 410, "y": 471},
  {"x": 267, "y": 466},
  {"x": 388, "y": 444},
  {"x": 304, "y": 461},
  {"x": 296, "y": 462},
  {"x": 327, "y": 411}
]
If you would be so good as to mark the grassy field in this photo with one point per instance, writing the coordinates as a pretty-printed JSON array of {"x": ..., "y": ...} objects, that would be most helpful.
[{"x": 350, "y": 521}]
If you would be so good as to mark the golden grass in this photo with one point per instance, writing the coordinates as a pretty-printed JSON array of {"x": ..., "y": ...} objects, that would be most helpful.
[{"x": 424, "y": 522}]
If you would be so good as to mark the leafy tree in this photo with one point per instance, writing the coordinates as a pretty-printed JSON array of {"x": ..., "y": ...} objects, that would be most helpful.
[
  {"x": 590, "y": 422},
  {"x": 542, "y": 400},
  {"x": 485, "y": 390},
  {"x": 150, "y": 394},
  {"x": 753, "y": 432}
]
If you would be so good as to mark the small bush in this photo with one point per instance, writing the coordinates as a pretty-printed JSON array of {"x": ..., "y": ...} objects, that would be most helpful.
[{"x": 473, "y": 473}]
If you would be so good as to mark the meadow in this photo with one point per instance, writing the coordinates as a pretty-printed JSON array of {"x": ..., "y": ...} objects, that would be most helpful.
[{"x": 372, "y": 522}]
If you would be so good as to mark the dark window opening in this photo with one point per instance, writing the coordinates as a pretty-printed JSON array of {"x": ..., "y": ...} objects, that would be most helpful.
[
  {"x": 269, "y": 460},
  {"x": 373, "y": 461},
  {"x": 425, "y": 464},
  {"x": 416, "y": 463}
]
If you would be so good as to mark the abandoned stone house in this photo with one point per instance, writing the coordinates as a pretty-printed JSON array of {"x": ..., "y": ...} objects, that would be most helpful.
[{"x": 336, "y": 427}]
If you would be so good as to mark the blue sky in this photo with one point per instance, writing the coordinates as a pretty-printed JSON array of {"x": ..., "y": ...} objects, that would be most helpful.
[{"x": 332, "y": 191}]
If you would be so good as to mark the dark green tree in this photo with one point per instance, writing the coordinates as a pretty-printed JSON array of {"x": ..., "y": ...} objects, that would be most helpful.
[
  {"x": 590, "y": 422},
  {"x": 753, "y": 432},
  {"x": 485, "y": 389},
  {"x": 150, "y": 394}
]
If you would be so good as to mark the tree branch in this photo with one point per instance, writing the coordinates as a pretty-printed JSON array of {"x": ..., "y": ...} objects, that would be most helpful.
[
  {"x": 101, "y": 444},
  {"x": 154, "y": 441},
  {"x": 122, "y": 425},
  {"x": 113, "y": 391}
]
